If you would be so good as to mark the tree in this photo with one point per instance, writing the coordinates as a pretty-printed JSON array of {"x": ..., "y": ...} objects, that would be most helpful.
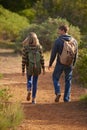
[{"x": 17, "y": 5}]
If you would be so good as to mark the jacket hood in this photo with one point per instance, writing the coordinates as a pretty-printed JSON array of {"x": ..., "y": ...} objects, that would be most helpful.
[{"x": 65, "y": 37}]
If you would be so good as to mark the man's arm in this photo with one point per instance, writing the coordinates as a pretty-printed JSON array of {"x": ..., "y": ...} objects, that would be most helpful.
[{"x": 53, "y": 54}]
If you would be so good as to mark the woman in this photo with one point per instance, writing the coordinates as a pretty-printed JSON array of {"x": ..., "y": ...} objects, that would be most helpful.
[{"x": 32, "y": 51}]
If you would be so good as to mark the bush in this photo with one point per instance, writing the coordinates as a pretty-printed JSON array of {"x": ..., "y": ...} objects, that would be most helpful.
[
  {"x": 41, "y": 12},
  {"x": 11, "y": 24},
  {"x": 83, "y": 98},
  {"x": 81, "y": 67},
  {"x": 30, "y": 14},
  {"x": 47, "y": 31},
  {"x": 10, "y": 114},
  {"x": 1, "y": 76}
]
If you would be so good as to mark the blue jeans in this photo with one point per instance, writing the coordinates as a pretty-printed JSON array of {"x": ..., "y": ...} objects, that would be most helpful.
[
  {"x": 59, "y": 68},
  {"x": 32, "y": 84}
]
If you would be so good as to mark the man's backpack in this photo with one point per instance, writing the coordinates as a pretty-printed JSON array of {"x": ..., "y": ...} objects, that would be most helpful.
[
  {"x": 34, "y": 57},
  {"x": 68, "y": 52}
]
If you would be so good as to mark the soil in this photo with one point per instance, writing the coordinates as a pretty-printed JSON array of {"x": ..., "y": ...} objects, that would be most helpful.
[{"x": 45, "y": 114}]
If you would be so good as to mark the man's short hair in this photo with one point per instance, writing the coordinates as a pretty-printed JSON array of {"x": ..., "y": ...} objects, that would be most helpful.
[{"x": 64, "y": 27}]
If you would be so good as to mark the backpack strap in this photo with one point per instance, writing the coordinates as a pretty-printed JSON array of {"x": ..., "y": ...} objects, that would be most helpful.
[{"x": 35, "y": 50}]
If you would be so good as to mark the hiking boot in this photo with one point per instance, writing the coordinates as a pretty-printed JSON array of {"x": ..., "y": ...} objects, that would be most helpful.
[
  {"x": 28, "y": 96},
  {"x": 57, "y": 98},
  {"x": 33, "y": 102}
]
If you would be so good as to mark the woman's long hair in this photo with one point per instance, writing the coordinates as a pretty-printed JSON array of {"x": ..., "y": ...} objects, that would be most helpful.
[{"x": 32, "y": 39}]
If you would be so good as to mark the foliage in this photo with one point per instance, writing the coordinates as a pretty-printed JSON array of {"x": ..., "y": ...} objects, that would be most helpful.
[
  {"x": 83, "y": 98},
  {"x": 11, "y": 24},
  {"x": 4, "y": 95},
  {"x": 75, "y": 11},
  {"x": 47, "y": 31},
  {"x": 17, "y": 5},
  {"x": 84, "y": 42},
  {"x": 41, "y": 12},
  {"x": 29, "y": 14},
  {"x": 10, "y": 114},
  {"x": 1, "y": 76},
  {"x": 81, "y": 67}
]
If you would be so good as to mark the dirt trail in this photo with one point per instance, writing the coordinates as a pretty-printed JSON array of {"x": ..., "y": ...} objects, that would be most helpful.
[{"x": 46, "y": 114}]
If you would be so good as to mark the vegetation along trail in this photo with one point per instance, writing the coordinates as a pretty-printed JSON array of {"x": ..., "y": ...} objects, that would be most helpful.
[{"x": 46, "y": 114}]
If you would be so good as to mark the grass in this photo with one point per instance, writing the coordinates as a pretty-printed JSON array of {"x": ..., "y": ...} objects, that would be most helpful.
[
  {"x": 83, "y": 98},
  {"x": 11, "y": 114},
  {"x": 1, "y": 76}
]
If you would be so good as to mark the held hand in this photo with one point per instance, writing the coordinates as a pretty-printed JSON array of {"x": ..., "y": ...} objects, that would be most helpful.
[
  {"x": 73, "y": 67},
  {"x": 43, "y": 71},
  {"x": 49, "y": 68}
]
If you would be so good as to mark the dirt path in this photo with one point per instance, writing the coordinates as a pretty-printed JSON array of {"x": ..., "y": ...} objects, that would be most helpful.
[{"x": 45, "y": 115}]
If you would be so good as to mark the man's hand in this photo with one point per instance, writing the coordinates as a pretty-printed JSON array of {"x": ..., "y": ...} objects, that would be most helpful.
[
  {"x": 49, "y": 68},
  {"x": 73, "y": 67}
]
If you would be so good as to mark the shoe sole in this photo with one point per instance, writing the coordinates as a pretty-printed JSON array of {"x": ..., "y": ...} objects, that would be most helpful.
[
  {"x": 33, "y": 102},
  {"x": 57, "y": 98},
  {"x": 28, "y": 96}
]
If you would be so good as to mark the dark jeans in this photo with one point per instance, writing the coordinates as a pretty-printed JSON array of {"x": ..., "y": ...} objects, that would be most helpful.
[
  {"x": 32, "y": 84},
  {"x": 59, "y": 68}
]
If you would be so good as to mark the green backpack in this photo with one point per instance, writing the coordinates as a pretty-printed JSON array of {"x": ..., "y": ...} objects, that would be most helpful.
[{"x": 34, "y": 58}]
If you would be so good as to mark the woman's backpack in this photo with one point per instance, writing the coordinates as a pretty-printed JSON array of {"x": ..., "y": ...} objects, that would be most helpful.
[{"x": 34, "y": 58}]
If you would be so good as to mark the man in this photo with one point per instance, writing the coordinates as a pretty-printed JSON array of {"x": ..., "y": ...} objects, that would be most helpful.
[{"x": 59, "y": 67}]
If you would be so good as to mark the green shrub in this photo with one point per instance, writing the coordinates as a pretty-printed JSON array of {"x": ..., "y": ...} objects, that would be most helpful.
[
  {"x": 47, "y": 31},
  {"x": 11, "y": 24},
  {"x": 1, "y": 76},
  {"x": 41, "y": 12},
  {"x": 83, "y": 44},
  {"x": 83, "y": 98},
  {"x": 81, "y": 67},
  {"x": 4, "y": 95},
  {"x": 30, "y": 14},
  {"x": 11, "y": 114}
]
